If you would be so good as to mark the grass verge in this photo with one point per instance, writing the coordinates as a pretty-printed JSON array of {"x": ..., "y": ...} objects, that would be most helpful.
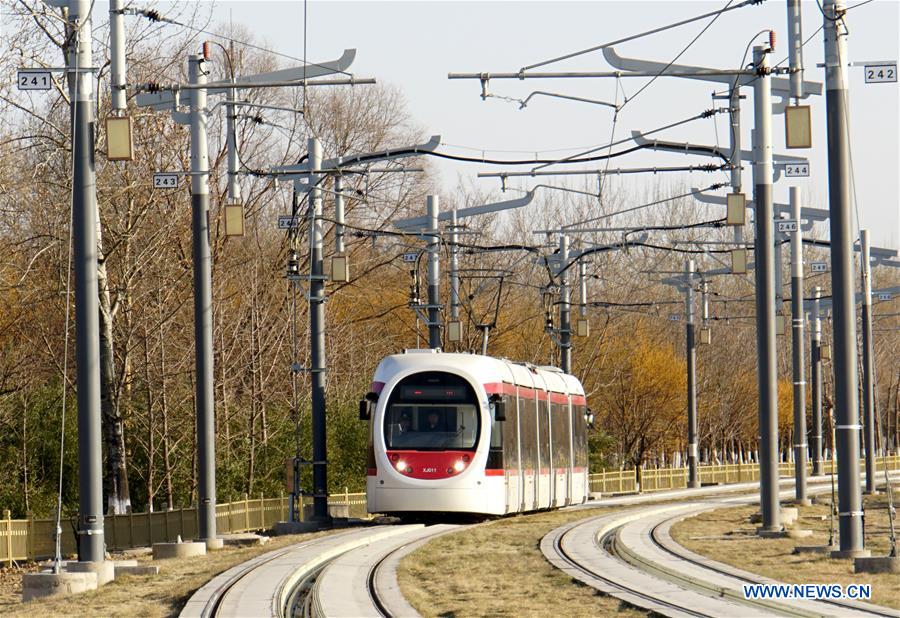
[
  {"x": 727, "y": 536},
  {"x": 497, "y": 569},
  {"x": 153, "y": 596}
]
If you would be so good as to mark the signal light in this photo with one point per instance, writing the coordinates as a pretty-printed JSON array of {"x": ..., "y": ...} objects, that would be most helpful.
[
  {"x": 466, "y": 458},
  {"x": 395, "y": 457}
]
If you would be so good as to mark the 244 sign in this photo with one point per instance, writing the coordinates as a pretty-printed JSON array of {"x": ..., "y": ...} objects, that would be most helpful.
[{"x": 796, "y": 170}]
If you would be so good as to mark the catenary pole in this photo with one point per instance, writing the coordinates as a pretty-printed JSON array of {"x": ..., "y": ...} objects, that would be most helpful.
[
  {"x": 339, "y": 214},
  {"x": 317, "y": 335},
  {"x": 565, "y": 330},
  {"x": 203, "y": 327},
  {"x": 846, "y": 379},
  {"x": 868, "y": 360},
  {"x": 815, "y": 356},
  {"x": 91, "y": 544},
  {"x": 765, "y": 301},
  {"x": 798, "y": 319},
  {"x": 117, "y": 79},
  {"x": 795, "y": 48},
  {"x": 454, "y": 266},
  {"x": 690, "y": 352},
  {"x": 434, "y": 281}
]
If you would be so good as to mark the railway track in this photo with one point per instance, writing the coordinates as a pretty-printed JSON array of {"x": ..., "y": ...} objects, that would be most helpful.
[{"x": 631, "y": 556}]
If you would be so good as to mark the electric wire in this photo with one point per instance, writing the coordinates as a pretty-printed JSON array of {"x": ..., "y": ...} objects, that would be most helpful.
[{"x": 640, "y": 35}]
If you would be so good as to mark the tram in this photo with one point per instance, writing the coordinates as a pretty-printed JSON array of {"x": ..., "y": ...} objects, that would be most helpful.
[{"x": 466, "y": 433}]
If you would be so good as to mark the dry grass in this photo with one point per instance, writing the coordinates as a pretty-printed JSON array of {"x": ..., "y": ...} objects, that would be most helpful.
[
  {"x": 727, "y": 536},
  {"x": 162, "y": 595},
  {"x": 497, "y": 569}
]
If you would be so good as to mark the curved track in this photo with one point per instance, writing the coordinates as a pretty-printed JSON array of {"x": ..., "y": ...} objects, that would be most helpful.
[{"x": 630, "y": 555}]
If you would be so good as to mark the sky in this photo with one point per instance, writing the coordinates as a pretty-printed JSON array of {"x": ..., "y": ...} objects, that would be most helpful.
[{"x": 413, "y": 45}]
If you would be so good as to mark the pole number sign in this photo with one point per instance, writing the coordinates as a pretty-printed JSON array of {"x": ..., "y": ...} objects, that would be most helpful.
[
  {"x": 819, "y": 267},
  {"x": 796, "y": 170},
  {"x": 881, "y": 73},
  {"x": 410, "y": 257},
  {"x": 165, "y": 181},
  {"x": 288, "y": 222},
  {"x": 33, "y": 79},
  {"x": 674, "y": 317},
  {"x": 884, "y": 296},
  {"x": 787, "y": 226}
]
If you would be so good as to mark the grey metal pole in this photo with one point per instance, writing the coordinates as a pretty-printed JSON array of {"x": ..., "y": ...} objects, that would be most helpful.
[
  {"x": 454, "y": 266},
  {"x": 846, "y": 379},
  {"x": 565, "y": 322},
  {"x": 582, "y": 290},
  {"x": 117, "y": 79},
  {"x": 868, "y": 361},
  {"x": 91, "y": 544},
  {"x": 434, "y": 281},
  {"x": 339, "y": 214},
  {"x": 815, "y": 355},
  {"x": 317, "y": 336},
  {"x": 798, "y": 318},
  {"x": 690, "y": 352},
  {"x": 734, "y": 116},
  {"x": 234, "y": 190},
  {"x": 765, "y": 298},
  {"x": 795, "y": 47},
  {"x": 203, "y": 320}
]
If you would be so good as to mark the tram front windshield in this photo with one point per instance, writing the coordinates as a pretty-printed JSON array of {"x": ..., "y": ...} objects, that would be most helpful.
[{"x": 432, "y": 411}]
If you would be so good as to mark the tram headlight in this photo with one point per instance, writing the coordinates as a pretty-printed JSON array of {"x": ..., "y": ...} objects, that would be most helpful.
[
  {"x": 401, "y": 465},
  {"x": 459, "y": 466}
]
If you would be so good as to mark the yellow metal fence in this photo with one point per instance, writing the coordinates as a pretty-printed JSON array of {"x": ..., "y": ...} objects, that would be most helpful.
[
  {"x": 30, "y": 539},
  {"x": 653, "y": 479},
  {"x": 33, "y": 539}
]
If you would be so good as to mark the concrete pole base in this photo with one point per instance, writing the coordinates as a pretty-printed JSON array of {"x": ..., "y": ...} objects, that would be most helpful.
[
  {"x": 40, "y": 585},
  {"x": 877, "y": 564},
  {"x": 815, "y": 549},
  {"x": 244, "y": 540},
  {"x": 106, "y": 570},
  {"x": 873, "y": 492},
  {"x": 801, "y": 502},
  {"x": 214, "y": 544},
  {"x": 595, "y": 495},
  {"x": 766, "y": 532},
  {"x": 694, "y": 485},
  {"x": 789, "y": 515},
  {"x": 165, "y": 551},
  {"x": 845, "y": 554}
]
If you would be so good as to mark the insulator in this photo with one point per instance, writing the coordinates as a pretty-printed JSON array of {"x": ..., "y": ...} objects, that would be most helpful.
[
  {"x": 206, "y": 50},
  {"x": 771, "y": 40}
]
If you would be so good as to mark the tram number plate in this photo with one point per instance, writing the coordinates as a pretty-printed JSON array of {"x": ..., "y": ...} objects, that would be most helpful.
[
  {"x": 819, "y": 267},
  {"x": 288, "y": 222},
  {"x": 884, "y": 296},
  {"x": 165, "y": 181},
  {"x": 881, "y": 73},
  {"x": 787, "y": 226},
  {"x": 410, "y": 257},
  {"x": 796, "y": 170},
  {"x": 674, "y": 317},
  {"x": 33, "y": 80}
]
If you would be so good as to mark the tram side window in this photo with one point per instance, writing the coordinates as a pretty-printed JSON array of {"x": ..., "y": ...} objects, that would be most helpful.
[
  {"x": 546, "y": 456},
  {"x": 529, "y": 433},
  {"x": 560, "y": 431},
  {"x": 580, "y": 436},
  {"x": 510, "y": 428}
]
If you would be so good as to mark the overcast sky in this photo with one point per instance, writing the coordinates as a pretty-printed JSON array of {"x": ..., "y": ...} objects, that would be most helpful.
[{"x": 413, "y": 45}]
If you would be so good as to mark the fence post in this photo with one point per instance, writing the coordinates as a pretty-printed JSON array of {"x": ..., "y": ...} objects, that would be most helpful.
[
  {"x": 131, "y": 528},
  {"x": 7, "y": 515},
  {"x": 246, "y": 512},
  {"x": 30, "y": 544}
]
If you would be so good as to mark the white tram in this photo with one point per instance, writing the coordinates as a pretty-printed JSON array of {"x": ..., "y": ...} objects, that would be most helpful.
[{"x": 473, "y": 434}]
